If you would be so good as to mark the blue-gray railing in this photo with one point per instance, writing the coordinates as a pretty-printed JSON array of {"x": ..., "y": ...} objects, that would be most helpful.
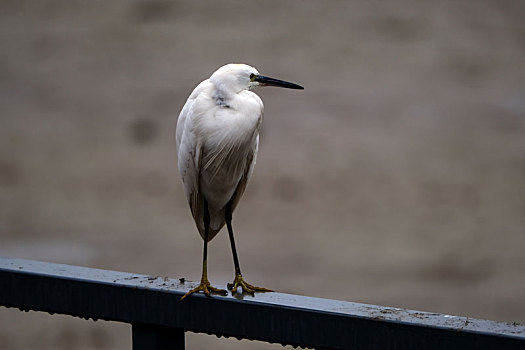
[{"x": 151, "y": 304}]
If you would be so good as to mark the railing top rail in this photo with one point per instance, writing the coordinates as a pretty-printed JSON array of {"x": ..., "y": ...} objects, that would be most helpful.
[{"x": 271, "y": 317}]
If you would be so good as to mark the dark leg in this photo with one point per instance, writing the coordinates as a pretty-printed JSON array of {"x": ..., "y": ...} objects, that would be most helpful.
[
  {"x": 232, "y": 240},
  {"x": 206, "y": 219},
  {"x": 238, "y": 281},
  {"x": 205, "y": 285}
]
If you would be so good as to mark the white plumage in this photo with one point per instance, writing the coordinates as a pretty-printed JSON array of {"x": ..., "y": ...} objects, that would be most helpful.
[{"x": 217, "y": 143}]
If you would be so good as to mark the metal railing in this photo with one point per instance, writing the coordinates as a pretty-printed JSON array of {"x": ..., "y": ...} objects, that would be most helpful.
[{"x": 151, "y": 304}]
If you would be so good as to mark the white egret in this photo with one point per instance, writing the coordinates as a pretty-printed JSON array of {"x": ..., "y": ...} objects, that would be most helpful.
[{"x": 217, "y": 142}]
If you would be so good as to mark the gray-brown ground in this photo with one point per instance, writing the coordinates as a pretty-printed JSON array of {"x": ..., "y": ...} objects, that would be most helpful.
[{"x": 397, "y": 177}]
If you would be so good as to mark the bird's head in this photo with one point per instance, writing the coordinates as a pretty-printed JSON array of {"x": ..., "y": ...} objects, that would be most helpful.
[{"x": 238, "y": 77}]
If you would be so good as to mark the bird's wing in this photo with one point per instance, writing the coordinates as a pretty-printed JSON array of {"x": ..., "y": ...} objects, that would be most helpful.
[
  {"x": 190, "y": 158},
  {"x": 248, "y": 171},
  {"x": 187, "y": 111}
]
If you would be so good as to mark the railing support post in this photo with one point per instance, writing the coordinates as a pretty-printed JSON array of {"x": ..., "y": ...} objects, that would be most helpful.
[{"x": 147, "y": 337}]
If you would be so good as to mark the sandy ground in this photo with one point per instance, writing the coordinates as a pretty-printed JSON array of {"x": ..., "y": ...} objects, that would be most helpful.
[{"x": 397, "y": 177}]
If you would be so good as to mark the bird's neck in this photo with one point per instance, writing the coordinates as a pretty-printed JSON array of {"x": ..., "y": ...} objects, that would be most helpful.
[{"x": 222, "y": 97}]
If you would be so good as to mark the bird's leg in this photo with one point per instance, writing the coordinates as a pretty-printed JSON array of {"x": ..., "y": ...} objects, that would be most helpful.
[
  {"x": 205, "y": 285},
  {"x": 239, "y": 280}
]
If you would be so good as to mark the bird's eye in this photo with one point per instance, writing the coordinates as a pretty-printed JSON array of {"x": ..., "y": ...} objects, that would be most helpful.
[{"x": 252, "y": 77}]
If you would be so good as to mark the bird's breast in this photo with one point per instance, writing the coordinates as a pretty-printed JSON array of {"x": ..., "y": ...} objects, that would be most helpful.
[{"x": 227, "y": 139}]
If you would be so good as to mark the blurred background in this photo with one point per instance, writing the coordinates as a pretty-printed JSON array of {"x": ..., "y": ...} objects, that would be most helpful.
[{"x": 397, "y": 177}]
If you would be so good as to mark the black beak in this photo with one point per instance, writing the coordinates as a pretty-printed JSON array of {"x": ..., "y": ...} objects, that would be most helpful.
[{"x": 267, "y": 81}]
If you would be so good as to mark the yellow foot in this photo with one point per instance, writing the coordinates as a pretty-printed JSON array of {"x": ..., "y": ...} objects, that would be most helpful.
[
  {"x": 245, "y": 286},
  {"x": 207, "y": 288}
]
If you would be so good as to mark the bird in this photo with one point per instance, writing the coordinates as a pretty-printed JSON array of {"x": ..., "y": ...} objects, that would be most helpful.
[{"x": 217, "y": 137}]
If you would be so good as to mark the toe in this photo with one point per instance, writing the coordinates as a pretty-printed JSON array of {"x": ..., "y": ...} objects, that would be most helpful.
[
  {"x": 246, "y": 288},
  {"x": 233, "y": 286},
  {"x": 217, "y": 290},
  {"x": 189, "y": 293}
]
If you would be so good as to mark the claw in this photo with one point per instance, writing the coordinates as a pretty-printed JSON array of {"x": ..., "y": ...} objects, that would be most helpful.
[
  {"x": 245, "y": 286},
  {"x": 207, "y": 288}
]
